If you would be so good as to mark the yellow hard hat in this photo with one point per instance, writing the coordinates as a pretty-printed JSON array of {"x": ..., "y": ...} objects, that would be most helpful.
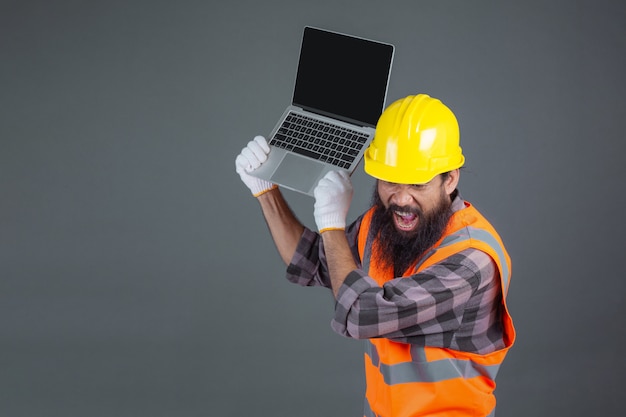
[{"x": 416, "y": 139}]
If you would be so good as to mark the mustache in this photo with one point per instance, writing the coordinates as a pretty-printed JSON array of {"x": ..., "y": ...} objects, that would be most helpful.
[{"x": 405, "y": 209}]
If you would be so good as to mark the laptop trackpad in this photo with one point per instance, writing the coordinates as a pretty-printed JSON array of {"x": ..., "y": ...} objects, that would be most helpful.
[{"x": 298, "y": 172}]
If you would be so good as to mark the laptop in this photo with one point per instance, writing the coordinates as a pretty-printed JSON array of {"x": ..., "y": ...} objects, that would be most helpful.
[{"x": 339, "y": 94}]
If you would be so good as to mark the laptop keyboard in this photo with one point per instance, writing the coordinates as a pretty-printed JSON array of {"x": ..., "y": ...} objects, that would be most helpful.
[{"x": 319, "y": 140}]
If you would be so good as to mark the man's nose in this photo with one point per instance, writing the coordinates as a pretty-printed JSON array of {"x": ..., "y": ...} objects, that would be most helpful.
[{"x": 401, "y": 195}]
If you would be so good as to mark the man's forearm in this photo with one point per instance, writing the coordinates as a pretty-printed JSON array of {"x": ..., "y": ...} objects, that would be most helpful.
[
  {"x": 285, "y": 228},
  {"x": 338, "y": 256}
]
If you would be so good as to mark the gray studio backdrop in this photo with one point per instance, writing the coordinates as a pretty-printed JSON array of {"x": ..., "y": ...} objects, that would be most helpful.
[{"x": 137, "y": 277}]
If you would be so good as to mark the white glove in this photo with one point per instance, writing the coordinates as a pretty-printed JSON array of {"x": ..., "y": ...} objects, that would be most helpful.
[
  {"x": 333, "y": 196},
  {"x": 250, "y": 158}
]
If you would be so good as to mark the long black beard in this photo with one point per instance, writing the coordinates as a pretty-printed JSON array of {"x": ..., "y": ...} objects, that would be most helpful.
[{"x": 398, "y": 249}]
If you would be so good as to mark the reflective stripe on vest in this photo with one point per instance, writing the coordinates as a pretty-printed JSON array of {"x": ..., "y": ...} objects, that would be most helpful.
[
  {"x": 475, "y": 234},
  {"x": 420, "y": 370},
  {"x": 367, "y": 411}
]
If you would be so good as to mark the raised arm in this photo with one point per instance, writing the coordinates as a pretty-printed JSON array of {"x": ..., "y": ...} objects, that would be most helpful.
[{"x": 285, "y": 228}]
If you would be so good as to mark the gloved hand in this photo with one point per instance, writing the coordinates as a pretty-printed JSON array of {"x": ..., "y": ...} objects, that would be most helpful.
[
  {"x": 250, "y": 158},
  {"x": 333, "y": 195}
]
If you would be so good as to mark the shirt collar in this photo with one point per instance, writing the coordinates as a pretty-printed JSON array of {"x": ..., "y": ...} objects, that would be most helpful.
[{"x": 457, "y": 201}]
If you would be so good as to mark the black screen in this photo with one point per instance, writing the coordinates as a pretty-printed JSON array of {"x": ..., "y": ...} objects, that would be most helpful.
[{"x": 342, "y": 76}]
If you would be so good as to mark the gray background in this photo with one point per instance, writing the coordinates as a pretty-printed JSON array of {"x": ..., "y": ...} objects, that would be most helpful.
[{"x": 137, "y": 277}]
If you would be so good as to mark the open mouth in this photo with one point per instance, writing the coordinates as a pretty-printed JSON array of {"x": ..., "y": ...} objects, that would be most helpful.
[{"x": 405, "y": 221}]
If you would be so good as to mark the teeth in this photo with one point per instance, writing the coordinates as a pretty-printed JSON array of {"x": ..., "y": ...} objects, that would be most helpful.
[{"x": 405, "y": 220}]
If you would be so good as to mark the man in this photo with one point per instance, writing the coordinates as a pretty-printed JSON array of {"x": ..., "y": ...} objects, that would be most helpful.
[{"x": 421, "y": 275}]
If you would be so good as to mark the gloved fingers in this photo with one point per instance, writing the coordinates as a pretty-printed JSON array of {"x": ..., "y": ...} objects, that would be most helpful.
[
  {"x": 262, "y": 142},
  {"x": 333, "y": 188},
  {"x": 336, "y": 179},
  {"x": 260, "y": 150},
  {"x": 345, "y": 176},
  {"x": 340, "y": 176},
  {"x": 242, "y": 164},
  {"x": 251, "y": 156},
  {"x": 333, "y": 195},
  {"x": 323, "y": 183}
]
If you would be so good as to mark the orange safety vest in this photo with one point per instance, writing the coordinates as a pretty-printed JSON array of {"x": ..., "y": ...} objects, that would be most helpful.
[{"x": 405, "y": 380}]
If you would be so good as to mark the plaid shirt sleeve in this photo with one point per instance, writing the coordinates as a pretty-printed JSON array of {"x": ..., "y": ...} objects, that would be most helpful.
[
  {"x": 308, "y": 266},
  {"x": 432, "y": 307}
]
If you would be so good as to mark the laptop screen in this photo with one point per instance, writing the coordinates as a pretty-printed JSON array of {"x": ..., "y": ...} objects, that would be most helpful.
[{"x": 342, "y": 76}]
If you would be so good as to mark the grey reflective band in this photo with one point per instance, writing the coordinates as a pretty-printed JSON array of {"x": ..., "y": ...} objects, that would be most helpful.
[
  {"x": 421, "y": 370},
  {"x": 372, "y": 352},
  {"x": 367, "y": 410},
  {"x": 436, "y": 371},
  {"x": 489, "y": 239},
  {"x": 473, "y": 233}
]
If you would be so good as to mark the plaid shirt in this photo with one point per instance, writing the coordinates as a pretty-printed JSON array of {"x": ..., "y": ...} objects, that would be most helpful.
[{"x": 455, "y": 303}]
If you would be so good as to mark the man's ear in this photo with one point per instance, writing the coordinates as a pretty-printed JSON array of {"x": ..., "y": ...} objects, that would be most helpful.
[{"x": 452, "y": 181}]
